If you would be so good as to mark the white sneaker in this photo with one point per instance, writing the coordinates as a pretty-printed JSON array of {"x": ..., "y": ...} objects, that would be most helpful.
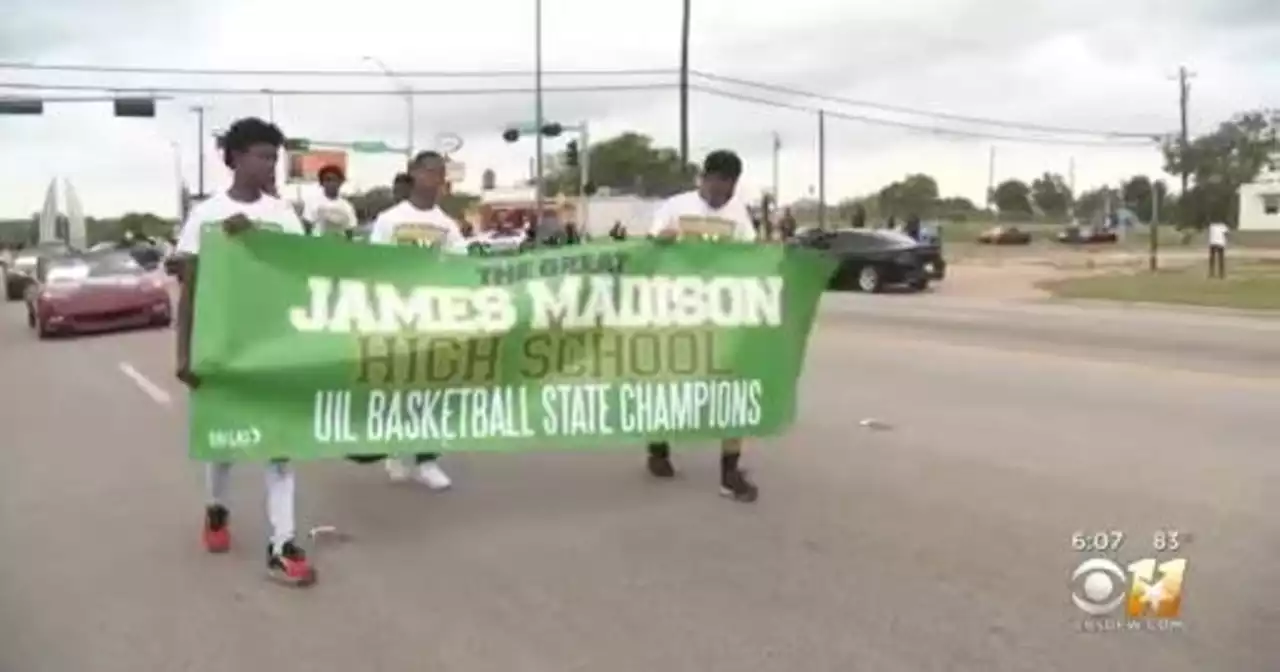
[
  {"x": 397, "y": 470},
  {"x": 431, "y": 475}
]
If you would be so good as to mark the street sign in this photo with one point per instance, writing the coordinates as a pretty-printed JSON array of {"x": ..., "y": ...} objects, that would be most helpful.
[
  {"x": 448, "y": 143},
  {"x": 371, "y": 147}
]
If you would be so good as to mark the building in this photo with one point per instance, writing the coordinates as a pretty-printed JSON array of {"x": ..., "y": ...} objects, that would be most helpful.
[{"x": 1259, "y": 203}]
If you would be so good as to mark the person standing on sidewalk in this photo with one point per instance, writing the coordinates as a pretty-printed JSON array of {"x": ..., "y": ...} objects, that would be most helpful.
[{"x": 1218, "y": 250}]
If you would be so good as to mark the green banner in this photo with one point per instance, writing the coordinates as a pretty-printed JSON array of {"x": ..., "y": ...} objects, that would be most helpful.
[{"x": 314, "y": 347}]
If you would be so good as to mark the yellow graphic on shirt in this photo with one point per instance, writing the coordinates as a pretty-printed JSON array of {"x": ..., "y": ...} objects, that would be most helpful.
[
  {"x": 419, "y": 235},
  {"x": 704, "y": 227}
]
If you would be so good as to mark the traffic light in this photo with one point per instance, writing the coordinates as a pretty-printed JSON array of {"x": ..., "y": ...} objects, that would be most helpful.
[
  {"x": 511, "y": 135},
  {"x": 138, "y": 108},
  {"x": 590, "y": 189},
  {"x": 21, "y": 106},
  {"x": 552, "y": 130},
  {"x": 571, "y": 154}
]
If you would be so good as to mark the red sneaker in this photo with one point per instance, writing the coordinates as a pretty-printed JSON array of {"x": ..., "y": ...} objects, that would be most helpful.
[
  {"x": 217, "y": 533},
  {"x": 289, "y": 566}
]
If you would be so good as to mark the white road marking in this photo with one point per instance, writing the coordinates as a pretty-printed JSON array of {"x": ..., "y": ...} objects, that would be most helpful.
[{"x": 157, "y": 393}]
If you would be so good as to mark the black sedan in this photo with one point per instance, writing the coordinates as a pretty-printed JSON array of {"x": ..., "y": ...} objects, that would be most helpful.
[
  {"x": 870, "y": 260},
  {"x": 19, "y": 274}
]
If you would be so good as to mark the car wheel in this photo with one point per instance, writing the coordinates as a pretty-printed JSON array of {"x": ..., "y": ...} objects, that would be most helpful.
[{"x": 869, "y": 279}]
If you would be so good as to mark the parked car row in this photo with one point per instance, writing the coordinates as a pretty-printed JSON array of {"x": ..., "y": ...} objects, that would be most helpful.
[{"x": 1071, "y": 235}]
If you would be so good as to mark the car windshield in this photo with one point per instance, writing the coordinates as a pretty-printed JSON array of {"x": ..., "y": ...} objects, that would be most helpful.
[
  {"x": 66, "y": 273},
  {"x": 110, "y": 265},
  {"x": 889, "y": 240}
]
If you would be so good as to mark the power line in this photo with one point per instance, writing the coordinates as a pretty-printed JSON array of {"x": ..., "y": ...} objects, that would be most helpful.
[
  {"x": 233, "y": 72},
  {"x": 982, "y": 121},
  {"x": 935, "y": 130},
  {"x": 603, "y": 88},
  {"x": 509, "y": 73},
  {"x": 222, "y": 91}
]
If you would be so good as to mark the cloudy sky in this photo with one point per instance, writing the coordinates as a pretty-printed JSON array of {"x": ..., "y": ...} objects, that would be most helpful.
[{"x": 1092, "y": 64}]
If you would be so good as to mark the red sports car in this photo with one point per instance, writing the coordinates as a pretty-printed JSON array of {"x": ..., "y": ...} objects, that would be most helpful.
[{"x": 94, "y": 292}]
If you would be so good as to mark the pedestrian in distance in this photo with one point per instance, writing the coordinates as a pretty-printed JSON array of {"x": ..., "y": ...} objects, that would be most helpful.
[
  {"x": 709, "y": 212},
  {"x": 330, "y": 214},
  {"x": 1218, "y": 234},
  {"x": 250, "y": 149}
]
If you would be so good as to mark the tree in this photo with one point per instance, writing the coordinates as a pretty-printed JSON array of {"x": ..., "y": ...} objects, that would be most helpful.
[
  {"x": 1220, "y": 162},
  {"x": 626, "y": 164},
  {"x": 1093, "y": 203},
  {"x": 915, "y": 194},
  {"x": 955, "y": 207},
  {"x": 1051, "y": 194},
  {"x": 1137, "y": 194},
  {"x": 1013, "y": 197}
]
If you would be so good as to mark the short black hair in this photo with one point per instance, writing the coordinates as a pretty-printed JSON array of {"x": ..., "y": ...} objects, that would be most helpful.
[
  {"x": 722, "y": 163},
  {"x": 402, "y": 178},
  {"x": 246, "y": 133},
  {"x": 329, "y": 170},
  {"x": 423, "y": 157}
]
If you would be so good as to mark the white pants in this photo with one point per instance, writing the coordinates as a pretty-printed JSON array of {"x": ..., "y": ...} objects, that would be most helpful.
[{"x": 280, "y": 495}]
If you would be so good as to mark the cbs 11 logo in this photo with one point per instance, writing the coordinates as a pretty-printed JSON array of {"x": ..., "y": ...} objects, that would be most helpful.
[{"x": 1148, "y": 589}]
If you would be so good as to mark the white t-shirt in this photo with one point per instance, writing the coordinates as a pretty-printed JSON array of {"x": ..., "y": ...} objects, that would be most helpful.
[
  {"x": 330, "y": 216},
  {"x": 694, "y": 218},
  {"x": 1218, "y": 234},
  {"x": 405, "y": 224},
  {"x": 500, "y": 243},
  {"x": 267, "y": 213}
]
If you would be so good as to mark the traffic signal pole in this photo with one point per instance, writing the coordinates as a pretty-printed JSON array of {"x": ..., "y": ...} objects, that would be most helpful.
[
  {"x": 537, "y": 111},
  {"x": 584, "y": 170},
  {"x": 199, "y": 110}
]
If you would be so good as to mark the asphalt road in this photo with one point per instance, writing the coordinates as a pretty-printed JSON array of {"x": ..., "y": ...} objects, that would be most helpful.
[{"x": 939, "y": 543}]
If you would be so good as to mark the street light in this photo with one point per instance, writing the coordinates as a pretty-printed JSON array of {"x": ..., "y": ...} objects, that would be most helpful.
[{"x": 408, "y": 101}]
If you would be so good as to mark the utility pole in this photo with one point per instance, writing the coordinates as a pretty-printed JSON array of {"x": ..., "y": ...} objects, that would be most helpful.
[
  {"x": 1184, "y": 94},
  {"x": 991, "y": 180},
  {"x": 538, "y": 121},
  {"x": 684, "y": 84},
  {"x": 1071, "y": 187},
  {"x": 200, "y": 140},
  {"x": 777, "y": 150},
  {"x": 822, "y": 169}
]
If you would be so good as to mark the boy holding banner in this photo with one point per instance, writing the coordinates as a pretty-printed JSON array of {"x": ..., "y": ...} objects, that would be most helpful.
[
  {"x": 418, "y": 220},
  {"x": 250, "y": 148},
  {"x": 709, "y": 212}
]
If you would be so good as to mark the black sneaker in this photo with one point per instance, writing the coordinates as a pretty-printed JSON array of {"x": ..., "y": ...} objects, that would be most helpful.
[
  {"x": 736, "y": 485},
  {"x": 660, "y": 461},
  {"x": 290, "y": 566}
]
